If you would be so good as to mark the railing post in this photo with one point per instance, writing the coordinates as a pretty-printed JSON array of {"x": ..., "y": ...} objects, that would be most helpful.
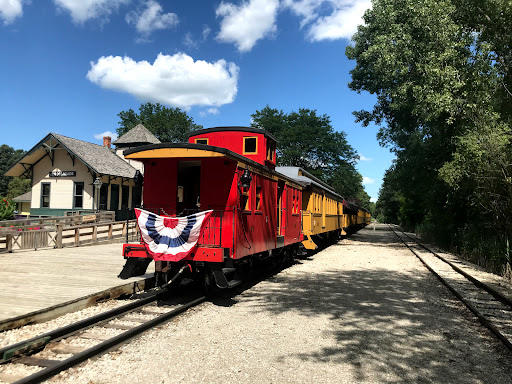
[
  {"x": 110, "y": 231},
  {"x": 8, "y": 240},
  {"x": 77, "y": 236},
  {"x": 58, "y": 240},
  {"x": 95, "y": 233}
]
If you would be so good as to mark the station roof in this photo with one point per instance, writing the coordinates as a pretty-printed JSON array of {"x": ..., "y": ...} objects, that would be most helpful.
[
  {"x": 137, "y": 135},
  {"x": 99, "y": 159},
  {"x": 26, "y": 197}
]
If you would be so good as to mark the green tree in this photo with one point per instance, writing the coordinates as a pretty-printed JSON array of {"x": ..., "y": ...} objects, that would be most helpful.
[
  {"x": 308, "y": 140},
  {"x": 8, "y": 157},
  {"x": 167, "y": 124},
  {"x": 441, "y": 72},
  {"x": 18, "y": 186}
]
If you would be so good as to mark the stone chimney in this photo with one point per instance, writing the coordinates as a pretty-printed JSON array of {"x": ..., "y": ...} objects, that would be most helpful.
[{"x": 106, "y": 141}]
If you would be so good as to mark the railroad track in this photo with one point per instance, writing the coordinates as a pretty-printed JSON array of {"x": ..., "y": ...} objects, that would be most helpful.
[
  {"x": 493, "y": 309},
  {"x": 85, "y": 339}
]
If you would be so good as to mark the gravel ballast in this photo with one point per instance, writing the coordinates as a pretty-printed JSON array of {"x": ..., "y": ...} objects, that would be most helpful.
[{"x": 363, "y": 310}]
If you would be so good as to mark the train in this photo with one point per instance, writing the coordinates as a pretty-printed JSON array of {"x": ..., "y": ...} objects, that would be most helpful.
[{"x": 220, "y": 203}]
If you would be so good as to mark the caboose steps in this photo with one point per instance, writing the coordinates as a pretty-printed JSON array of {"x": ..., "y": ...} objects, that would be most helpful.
[{"x": 221, "y": 280}]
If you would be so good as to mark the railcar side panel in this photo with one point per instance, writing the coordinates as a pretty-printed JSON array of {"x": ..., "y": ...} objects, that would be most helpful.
[{"x": 256, "y": 221}]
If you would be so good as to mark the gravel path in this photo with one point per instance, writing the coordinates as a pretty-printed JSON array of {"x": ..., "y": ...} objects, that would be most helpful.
[{"x": 363, "y": 310}]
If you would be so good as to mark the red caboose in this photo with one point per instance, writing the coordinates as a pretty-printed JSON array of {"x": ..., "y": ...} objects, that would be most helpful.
[{"x": 230, "y": 170}]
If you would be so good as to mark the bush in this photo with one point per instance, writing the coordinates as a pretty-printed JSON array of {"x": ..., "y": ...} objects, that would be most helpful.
[{"x": 7, "y": 208}]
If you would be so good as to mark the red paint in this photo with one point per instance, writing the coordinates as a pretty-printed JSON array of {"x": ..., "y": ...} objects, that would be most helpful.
[{"x": 234, "y": 141}]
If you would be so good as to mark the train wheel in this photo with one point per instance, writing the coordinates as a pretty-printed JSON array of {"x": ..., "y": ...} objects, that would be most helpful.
[{"x": 209, "y": 285}]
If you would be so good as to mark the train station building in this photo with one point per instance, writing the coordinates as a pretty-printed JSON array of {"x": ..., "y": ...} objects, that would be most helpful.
[{"x": 70, "y": 175}]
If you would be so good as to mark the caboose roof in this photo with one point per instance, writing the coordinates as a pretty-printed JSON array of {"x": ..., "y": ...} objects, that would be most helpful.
[
  {"x": 188, "y": 150},
  {"x": 233, "y": 129}
]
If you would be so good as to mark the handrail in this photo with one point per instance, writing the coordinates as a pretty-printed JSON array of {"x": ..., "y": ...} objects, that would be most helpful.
[
  {"x": 46, "y": 237},
  {"x": 31, "y": 222}
]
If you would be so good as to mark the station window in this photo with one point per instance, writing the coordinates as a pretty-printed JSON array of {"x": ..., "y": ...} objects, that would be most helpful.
[
  {"x": 202, "y": 141},
  {"x": 78, "y": 195},
  {"x": 258, "y": 198},
  {"x": 125, "y": 190},
  {"x": 250, "y": 145},
  {"x": 45, "y": 195}
]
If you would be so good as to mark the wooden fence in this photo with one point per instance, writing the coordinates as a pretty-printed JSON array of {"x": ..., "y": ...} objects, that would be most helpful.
[
  {"x": 67, "y": 220},
  {"x": 60, "y": 235}
]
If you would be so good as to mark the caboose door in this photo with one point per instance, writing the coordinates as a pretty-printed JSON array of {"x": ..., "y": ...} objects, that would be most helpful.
[
  {"x": 189, "y": 187},
  {"x": 281, "y": 208}
]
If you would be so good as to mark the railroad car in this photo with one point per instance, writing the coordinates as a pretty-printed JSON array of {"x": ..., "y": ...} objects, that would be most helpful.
[{"x": 255, "y": 209}]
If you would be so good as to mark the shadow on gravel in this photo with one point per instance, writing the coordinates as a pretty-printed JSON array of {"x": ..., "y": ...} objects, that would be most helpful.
[{"x": 390, "y": 327}]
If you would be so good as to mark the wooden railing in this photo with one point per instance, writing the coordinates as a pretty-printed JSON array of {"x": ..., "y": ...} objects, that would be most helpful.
[
  {"x": 61, "y": 235},
  {"x": 67, "y": 220}
]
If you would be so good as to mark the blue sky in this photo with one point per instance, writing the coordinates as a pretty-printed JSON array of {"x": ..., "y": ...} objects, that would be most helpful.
[{"x": 70, "y": 66}]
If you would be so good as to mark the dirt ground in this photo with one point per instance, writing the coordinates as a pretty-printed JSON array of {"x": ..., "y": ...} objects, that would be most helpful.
[{"x": 362, "y": 311}]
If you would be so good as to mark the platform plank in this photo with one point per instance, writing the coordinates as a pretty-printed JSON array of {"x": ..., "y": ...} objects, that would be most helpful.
[{"x": 32, "y": 281}]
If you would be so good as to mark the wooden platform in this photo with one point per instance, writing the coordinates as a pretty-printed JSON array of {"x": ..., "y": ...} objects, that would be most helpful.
[{"x": 33, "y": 281}]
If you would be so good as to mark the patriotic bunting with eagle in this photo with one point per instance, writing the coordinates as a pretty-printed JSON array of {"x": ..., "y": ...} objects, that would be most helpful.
[{"x": 171, "y": 238}]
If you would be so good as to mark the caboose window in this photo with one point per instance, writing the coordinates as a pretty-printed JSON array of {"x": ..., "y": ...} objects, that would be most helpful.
[
  {"x": 245, "y": 199},
  {"x": 250, "y": 145},
  {"x": 270, "y": 150},
  {"x": 258, "y": 198},
  {"x": 202, "y": 141}
]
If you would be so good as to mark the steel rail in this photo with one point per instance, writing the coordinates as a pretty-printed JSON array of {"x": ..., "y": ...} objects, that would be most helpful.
[
  {"x": 477, "y": 313},
  {"x": 497, "y": 295},
  {"x": 106, "y": 345},
  {"x": 37, "y": 343}
]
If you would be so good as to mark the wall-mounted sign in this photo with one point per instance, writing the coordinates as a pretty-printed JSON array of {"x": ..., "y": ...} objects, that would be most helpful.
[{"x": 62, "y": 174}]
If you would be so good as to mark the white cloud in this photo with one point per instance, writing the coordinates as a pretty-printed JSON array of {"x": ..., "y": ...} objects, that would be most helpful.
[
  {"x": 206, "y": 31},
  {"x": 175, "y": 80},
  {"x": 367, "y": 180},
  {"x": 209, "y": 111},
  {"x": 150, "y": 18},
  {"x": 307, "y": 9},
  {"x": 342, "y": 23},
  {"x": 364, "y": 158},
  {"x": 373, "y": 200},
  {"x": 83, "y": 10},
  {"x": 189, "y": 41},
  {"x": 245, "y": 24},
  {"x": 10, "y": 10},
  {"x": 100, "y": 136}
]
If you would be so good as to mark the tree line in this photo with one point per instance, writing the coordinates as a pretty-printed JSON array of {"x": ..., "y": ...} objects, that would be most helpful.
[{"x": 440, "y": 70}]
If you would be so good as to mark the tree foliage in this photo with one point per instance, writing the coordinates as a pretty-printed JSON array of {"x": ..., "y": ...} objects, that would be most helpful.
[
  {"x": 308, "y": 140},
  {"x": 167, "y": 124},
  {"x": 441, "y": 72},
  {"x": 8, "y": 157},
  {"x": 18, "y": 186}
]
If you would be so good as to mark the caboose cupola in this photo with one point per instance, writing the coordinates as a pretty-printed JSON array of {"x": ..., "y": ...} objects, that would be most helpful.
[{"x": 254, "y": 143}]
